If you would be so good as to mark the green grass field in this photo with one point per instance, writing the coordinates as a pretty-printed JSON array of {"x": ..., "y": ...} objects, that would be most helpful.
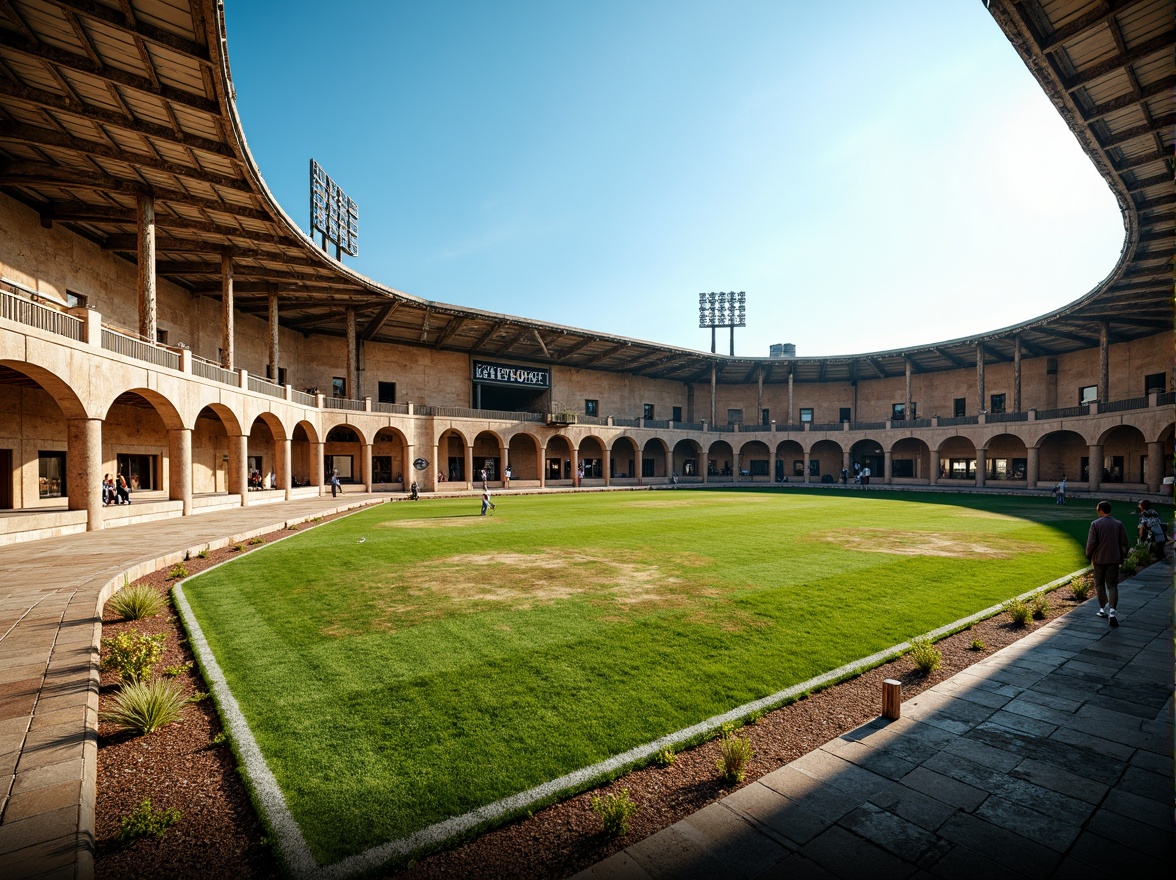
[{"x": 451, "y": 660}]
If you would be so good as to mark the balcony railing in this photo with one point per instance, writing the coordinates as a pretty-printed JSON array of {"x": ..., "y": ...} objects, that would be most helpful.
[
  {"x": 993, "y": 418},
  {"x": 343, "y": 403},
  {"x": 826, "y": 426},
  {"x": 952, "y": 421},
  {"x": 139, "y": 350},
  {"x": 391, "y": 408},
  {"x": 1066, "y": 412},
  {"x": 686, "y": 426},
  {"x": 622, "y": 422},
  {"x": 868, "y": 426},
  {"x": 302, "y": 397},
  {"x": 1122, "y": 405},
  {"x": 261, "y": 386},
  {"x": 17, "y": 308},
  {"x": 461, "y": 412},
  {"x": 214, "y": 372}
]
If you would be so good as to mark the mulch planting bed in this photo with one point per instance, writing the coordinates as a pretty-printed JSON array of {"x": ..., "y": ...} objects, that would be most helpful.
[{"x": 185, "y": 766}]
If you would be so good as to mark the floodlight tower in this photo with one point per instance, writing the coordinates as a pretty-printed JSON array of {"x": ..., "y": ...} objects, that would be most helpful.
[
  {"x": 332, "y": 213},
  {"x": 722, "y": 310}
]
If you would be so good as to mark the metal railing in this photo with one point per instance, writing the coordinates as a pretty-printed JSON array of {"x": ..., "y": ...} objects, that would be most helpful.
[
  {"x": 301, "y": 397},
  {"x": 393, "y": 408},
  {"x": 657, "y": 423},
  {"x": 343, "y": 403},
  {"x": 461, "y": 412},
  {"x": 952, "y": 421},
  {"x": 1122, "y": 405},
  {"x": 994, "y": 418},
  {"x": 826, "y": 426},
  {"x": 23, "y": 311},
  {"x": 686, "y": 426},
  {"x": 622, "y": 422},
  {"x": 1168, "y": 398},
  {"x": 1066, "y": 412},
  {"x": 867, "y": 426},
  {"x": 261, "y": 386},
  {"x": 127, "y": 346},
  {"x": 214, "y": 372}
]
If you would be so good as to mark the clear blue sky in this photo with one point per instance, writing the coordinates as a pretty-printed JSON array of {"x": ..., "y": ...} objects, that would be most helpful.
[{"x": 873, "y": 175}]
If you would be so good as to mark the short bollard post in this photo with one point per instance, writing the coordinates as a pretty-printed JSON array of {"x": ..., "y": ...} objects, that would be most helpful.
[{"x": 891, "y": 698}]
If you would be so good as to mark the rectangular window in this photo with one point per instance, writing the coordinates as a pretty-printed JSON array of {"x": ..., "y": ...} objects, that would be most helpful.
[
  {"x": 338, "y": 387},
  {"x": 897, "y": 412},
  {"x": 996, "y": 403},
  {"x": 591, "y": 407},
  {"x": 902, "y": 467},
  {"x": 74, "y": 300},
  {"x": 806, "y": 414},
  {"x": 269, "y": 374},
  {"x": 960, "y": 407},
  {"x": 764, "y": 419},
  {"x": 1155, "y": 382},
  {"x": 677, "y": 414},
  {"x": 386, "y": 392},
  {"x": 734, "y": 417},
  {"x": 51, "y": 474},
  {"x": 381, "y": 469},
  {"x": 814, "y": 467},
  {"x": 962, "y": 469},
  {"x": 798, "y": 467},
  {"x": 758, "y": 467},
  {"x": 843, "y": 415},
  {"x": 1087, "y": 394},
  {"x": 647, "y": 465},
  {"x": 998, "y": 468},
  {"x": 649, "y": 410}
]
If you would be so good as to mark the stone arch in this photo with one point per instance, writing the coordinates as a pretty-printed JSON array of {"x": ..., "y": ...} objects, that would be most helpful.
[
  {"x": 591, "y": 452},
  {"x": 343, "y": 452},
  {"x": 1006, "y": 458},
  {"x": 488, "y": 454},
  {"x": 52, "y": 385},
  {"x": 868, "y": 453},
  {"x": 523, "y": 457},
  {"x": 654, "y": 455},
  {"x": 1124, "y": 452},
  {"x": 451, "y": 456},
  {"x": 267, "y": 436},
  {"x": 623, "y": 459},
  {"x": 720, "y": 460},
  {"x": 910, "y": 460},
  {"x": 789, "y": 461},
  {"x": 825, "y": 460},
  {"x": 688, "y": 459},
  {"x": 557, "y": 460},
  {"x": 304, "y": 440},
  {"x": 135, "y": 438},
  {"x": 212, "y": 449},
  {"x": 754, "y": 462},
  {"x": 957, "y": 458},
  {"x": 1060, "y": 453},
  {"x": 390, "y": 457}
]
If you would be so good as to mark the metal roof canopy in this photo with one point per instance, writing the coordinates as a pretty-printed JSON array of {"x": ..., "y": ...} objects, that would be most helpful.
[{"x": 101, "y": 101}]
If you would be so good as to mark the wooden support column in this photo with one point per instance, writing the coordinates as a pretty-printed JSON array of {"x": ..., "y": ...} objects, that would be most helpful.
[
  {"x": 712, "y": 406},
  {"x": 1017, "y": 374},
  {"x": 179, "y": 467},
  {"x": 907, "y": 414},
  {"x": 148, "y": 316},
  {"x": 352, "y": 356},
  {"x": 273, "y": 334},
  {"x": 228, "y": 357},
  {"x": 1104, "y": 362},
  {"x": 981, "y": 406},
  {"x": 759, "y": 399},
  {"x": 789, "y": 421}
]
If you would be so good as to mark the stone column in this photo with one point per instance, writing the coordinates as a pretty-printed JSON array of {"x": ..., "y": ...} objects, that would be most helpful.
[
  {"x": 734, "y": 466},
  {"x": 807, "y": 459},
  {"x": 469, "y": 466},
  {"x": 145, "y": 215},
  {"x": 83, "y": 475},
  {"x": 284, "y": 453},
  {"x": 439, "y": 467},
  {"x": 1031, "y": 467},
  {"x": 1017, "y": 373},
  {"x": 273, "y": 334},
  {"x": 1154, "y": 470},
  {"x": 934, "y": 475},
  {"x": 1096, "y": 466},
  {"x": 367, "y": 467},
  {"x": 407, "y": 471},
  {"x": 179, "y": 453},
  {"x": 542, "y": 453},
  {"x": 317, "y": 466},
  {"x": 772, "y": 465},
  {"x": 888, "y": 466},
  {"x": 669, "y": 463},
  {"x": 980, "y": 377},
  {"x": 1104, "y": 362},
  {"x": 239, "y": 467},
  {"x": 503, "y": 454},
  {"x": 705, "y": 466},
  {"x": 352, "y": 356},
  {"x": 576, "y": 467},
  {"x": 228, "y": 355},
  {"x": 981, "y": 467},
  {"x": 606, "y": 463}
]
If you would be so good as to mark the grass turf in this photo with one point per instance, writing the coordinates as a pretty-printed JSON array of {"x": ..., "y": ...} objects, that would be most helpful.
[{"x": 450, "y": 660}]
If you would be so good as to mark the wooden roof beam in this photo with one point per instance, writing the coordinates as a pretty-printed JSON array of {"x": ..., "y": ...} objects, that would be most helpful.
[
  {"x": 127, "y": 23},
  {"x": 1109, "y": 65},
  {"x": 510, "y": 343},
  {"x": 877, "y": 367},
  {"x": 542, "y": 344},
  {"x": 606, "y": 354},
  {"x": 1083, "y": 23},
  {"x": 455, "y": 324},
  {"x": 377, "y": 323},
  {"x": 1090, "y": 341},
  {"x": 576, "y": 348},
  {"x": 950, "y": 358}
]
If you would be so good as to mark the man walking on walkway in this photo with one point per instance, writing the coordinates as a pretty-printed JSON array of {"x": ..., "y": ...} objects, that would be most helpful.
[{"x": 1106, "y": 547}]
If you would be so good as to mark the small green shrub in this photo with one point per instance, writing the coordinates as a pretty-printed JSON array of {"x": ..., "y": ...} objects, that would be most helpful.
[
  {"x": 735, "y": 754},
  {"x": 144, "y": 822},
  {"x": 925, "y": 655},
  {"x": 1139, "y": 557},
  {"x": 132, "y": 654},
  {"x": 253, "y": 542},
  {"x": 238, "y": 547},
  {"x": 292, "y": 528},
  {"x": 1019, "y": 611},
  {"x": 178, "y": 571},
  {"x": 198, "y": 697},
  {"x": 137, "y": 602},
  {"x": 1039, "y": 604},
  {"x": 977, "y": 645},
  {"x": 203, "y": 554},
  {"x": 664, "y": 758},
  {"x": 178, "y": 669},
  {"x": 219, "y": 740},
  {"x": 145, "y": 706},
  {"x": 614, "y": 811},
  {"x": 1080, "y": 587}
]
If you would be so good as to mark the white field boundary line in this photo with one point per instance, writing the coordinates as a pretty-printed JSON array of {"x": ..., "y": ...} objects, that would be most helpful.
[{"x": 292, "y": 845}]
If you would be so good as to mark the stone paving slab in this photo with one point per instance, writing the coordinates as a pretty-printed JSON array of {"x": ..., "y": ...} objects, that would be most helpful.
[
  {"x": 1051, "y": 758},
  {"x": 51, "y": 595}
]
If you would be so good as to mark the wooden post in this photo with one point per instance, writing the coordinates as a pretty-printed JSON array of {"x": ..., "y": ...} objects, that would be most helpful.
[{"x": 891, "y": 699}]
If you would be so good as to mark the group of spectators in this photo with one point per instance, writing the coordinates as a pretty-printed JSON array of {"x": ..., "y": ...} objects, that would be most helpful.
[{"x": 115, "y": 491}]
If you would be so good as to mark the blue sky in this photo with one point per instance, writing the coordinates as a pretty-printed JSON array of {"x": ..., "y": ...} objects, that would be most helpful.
[{"x": 873, "y": 175}]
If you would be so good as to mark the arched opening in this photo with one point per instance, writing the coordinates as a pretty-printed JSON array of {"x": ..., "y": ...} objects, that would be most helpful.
[
  {"x": 1124, "y": 463},
  {"x": 135, "y": 442},
  {"x": 957, "y": 459},
  {"x": 653, "y": 458},
  {"x": 342, "y": 454},
  {"x": 558, "y": 461},
  {"x": 34, "y": 443},
  {"x": 592, "y": 458},
  {"x": 523, "y": 459},
  {"x": 211, "y": 450},
  {"x": 754, "y": 462},
  {"x": 262, "y": 464},
  {"x": 867, "y": 461},
  {"x": 910, "y": 461},
  {"x": 388, "y": 459},
  {"x": 1006, "y": 459},
  {"x": 1061, "y": 454},
  {"x": 302, "y": 454},
  {"x": 451, "y": 450},
  {"x": 1167, "y": 441},
  {"x": 688, "y": 460},
  {"x": 789, "y": 461},
  {"x": 488, "y": 458},
  {"x": 623, "y": 460},
  {"x": 720, "y": 460},
  {"x": 825, "y": 461}
]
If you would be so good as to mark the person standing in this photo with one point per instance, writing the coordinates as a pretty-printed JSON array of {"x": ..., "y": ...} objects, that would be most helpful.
[
  {"x": 1061, "y": 490},
  {"x": 482, "y": 476},
  {"x": 336, "y": 486},
  {"x": 1106, "y": 547},
  {"x": 487, "y": 504},
  {"x": 1151, "y": 530},
  {"x": 865, "y": 476}
]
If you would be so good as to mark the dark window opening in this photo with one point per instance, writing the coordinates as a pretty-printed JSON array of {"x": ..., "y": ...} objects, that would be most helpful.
[
  {"x": 677, "y": 414},
  {"x": 996, "y": 403},
  {"x": 649, "y": 411},
  {"x": 960, "y": 407},
  {"x": 386, "y": 392},
  {"x": 338, "y": 387},
  {"x": 1155, "y": 382},
  {"x": 51, "y": 474},
  {"x": 843, "y": 414},
  {"x": 902, "y": 467},
  {"x": 806, "y": 414},
  {"x": 591, "y": 407}
]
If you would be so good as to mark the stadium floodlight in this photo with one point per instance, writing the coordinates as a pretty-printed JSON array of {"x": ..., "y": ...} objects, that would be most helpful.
[
  {"x": 722, "y": 310},
  {"x": 332, "y": 213}
]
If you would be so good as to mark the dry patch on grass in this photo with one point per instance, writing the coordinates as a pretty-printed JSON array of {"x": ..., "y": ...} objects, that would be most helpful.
[
  {"x": 931, "y": 544},
  {"x": 440, "y": 522}
]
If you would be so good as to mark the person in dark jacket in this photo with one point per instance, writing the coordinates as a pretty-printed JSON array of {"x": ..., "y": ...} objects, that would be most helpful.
[{"x": 1106, "y": 547}]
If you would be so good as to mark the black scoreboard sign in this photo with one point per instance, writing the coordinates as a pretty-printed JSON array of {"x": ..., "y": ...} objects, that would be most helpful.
[{"x": 504, "y": 374}]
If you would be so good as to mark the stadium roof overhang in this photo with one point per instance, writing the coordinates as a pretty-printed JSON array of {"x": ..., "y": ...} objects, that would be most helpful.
[{"x": 104, "y": 100}]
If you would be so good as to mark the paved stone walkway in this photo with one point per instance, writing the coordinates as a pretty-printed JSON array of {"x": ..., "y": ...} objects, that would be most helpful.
[
  {"x": 1052, "y": 758},
  {"x": 50, "y": 592}
]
